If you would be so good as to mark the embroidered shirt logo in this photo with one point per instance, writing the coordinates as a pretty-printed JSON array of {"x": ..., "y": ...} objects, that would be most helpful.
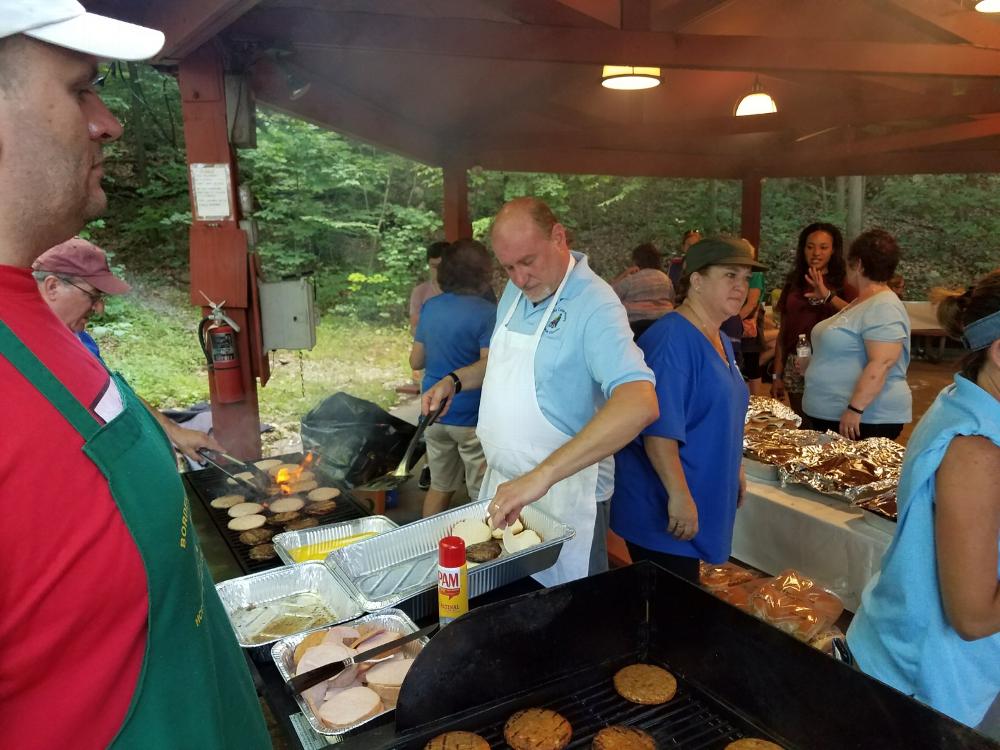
[{"x": 556, "y": 321}]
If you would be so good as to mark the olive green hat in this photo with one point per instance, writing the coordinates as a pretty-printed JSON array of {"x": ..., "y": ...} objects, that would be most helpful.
[{"x": 720, "y": 251}]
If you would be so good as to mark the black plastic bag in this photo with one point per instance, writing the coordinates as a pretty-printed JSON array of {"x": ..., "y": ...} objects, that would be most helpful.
[{"x": 356, "y": 440}]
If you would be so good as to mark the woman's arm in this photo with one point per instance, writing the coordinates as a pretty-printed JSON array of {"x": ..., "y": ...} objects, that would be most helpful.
[
  {"x": 665, "y": 456},
  {"x": 966, "y": 529},
  {"x": 418, "y": 356},
  {"x": 753, "y": 298},
  {"x": 882, "y": 355}
]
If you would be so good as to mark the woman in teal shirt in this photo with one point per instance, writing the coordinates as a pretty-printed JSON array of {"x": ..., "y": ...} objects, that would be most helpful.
[
  {"x": 856, "y": 379},
  {"x": 929, "y": 623}
]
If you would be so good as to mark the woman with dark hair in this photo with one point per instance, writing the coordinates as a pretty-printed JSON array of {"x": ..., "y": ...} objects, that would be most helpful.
[
  {"x": 675, "y": 265},
  {"x": 929, "y": 622},
  {"x": 815, "y": 289},
  {"x": 856, "y": 377},
  {"x": 644, "y": 289},
  {"x": 454, "y": 331},
  {"x": 678, "y": 484}
]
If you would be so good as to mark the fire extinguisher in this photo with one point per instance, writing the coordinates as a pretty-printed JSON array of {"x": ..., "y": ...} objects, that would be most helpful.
[{"x": 217, "y": 335}]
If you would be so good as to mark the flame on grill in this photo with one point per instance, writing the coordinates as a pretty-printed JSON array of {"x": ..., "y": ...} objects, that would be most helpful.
[{"x": 286, "y": 479}]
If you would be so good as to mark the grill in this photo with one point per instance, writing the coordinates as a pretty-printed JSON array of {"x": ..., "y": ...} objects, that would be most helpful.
[
  {"x": 207, "y": 484},
  {"x": 737, "y": 677}
]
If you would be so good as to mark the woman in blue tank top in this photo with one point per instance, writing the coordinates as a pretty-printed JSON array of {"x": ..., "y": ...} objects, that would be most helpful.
[{"x": 929, "y": 623}]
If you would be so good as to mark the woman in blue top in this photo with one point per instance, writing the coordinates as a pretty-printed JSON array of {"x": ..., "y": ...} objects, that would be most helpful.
[
  {"x": 929, "y": 623},
  {"x": 453, "y": 331},
  {"x": 856, "y": 379},
  {"x": 678, "y": 484}
]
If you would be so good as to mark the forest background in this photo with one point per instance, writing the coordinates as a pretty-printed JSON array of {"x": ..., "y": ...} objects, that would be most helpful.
[{"x": 358, "y": 220}]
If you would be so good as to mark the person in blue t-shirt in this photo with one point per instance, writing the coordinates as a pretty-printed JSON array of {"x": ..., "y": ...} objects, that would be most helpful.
[
  {"x": 929, "y": 622},
  {"x": 678, "y": 484},
  {"x": 453, "y": 331}
]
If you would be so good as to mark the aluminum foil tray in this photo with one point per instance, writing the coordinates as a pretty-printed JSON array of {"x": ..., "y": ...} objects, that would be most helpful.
[
  {"x": 763, "y": 409},
  {"x": 848, "y": 469},
  {"x": 401, "y": 564},
  {"x": 286, "y": 542},
  {"x": 246, "y": 599},
  {"x": 283, "y": 652}
]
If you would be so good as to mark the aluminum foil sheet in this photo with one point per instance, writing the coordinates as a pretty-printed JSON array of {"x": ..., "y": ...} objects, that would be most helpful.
[
  {"x": 883, "y": 504},
  {"x": 764, "y": 410},
  {"x": 283, "y": 652},
  {"x": 292, "y": 544},
  {"x": 848, "y": 469},
  {"x": 290, "y": 599},
  {"x": 402, "y": 563}
]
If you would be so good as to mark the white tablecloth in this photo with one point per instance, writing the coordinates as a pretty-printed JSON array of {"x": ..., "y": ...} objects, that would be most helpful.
[{"x": 794, "y": 527}]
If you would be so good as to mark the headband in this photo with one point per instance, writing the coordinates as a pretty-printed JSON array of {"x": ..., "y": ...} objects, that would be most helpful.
[{"x": 982, "y": 333}]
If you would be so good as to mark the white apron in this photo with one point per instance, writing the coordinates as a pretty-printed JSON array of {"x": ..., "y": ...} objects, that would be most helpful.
[{"x": 516, "y": 437}]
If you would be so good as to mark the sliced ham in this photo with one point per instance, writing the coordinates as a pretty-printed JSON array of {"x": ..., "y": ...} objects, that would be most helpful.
[
  {"x": 386, "y": 679},
  {"x": 350, "y": 707},
  {"x": 386, "y": 636},
  {"x": 327, "y": 653},
  {"x": 364, "y": 635},
  {"x": 340, "y": 635}
]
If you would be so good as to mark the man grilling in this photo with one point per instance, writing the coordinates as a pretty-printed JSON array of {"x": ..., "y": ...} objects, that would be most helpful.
[
  {"x": 114, "y": 635},
  {"x": 564, "y": 387},
  {"x": 73, "y": 278}
]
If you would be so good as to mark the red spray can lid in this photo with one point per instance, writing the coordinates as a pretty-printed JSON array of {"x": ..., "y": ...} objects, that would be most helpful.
[{"x": 451, "y": 552}]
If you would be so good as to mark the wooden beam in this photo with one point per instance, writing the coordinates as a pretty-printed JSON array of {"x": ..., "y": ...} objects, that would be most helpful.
[
  {"x": 910, "y": 140},
  {"x": 608, "y": 12},
  {"x": 764, "y": 164},
  {"x": 686, "y": 12},
  {"x": 750, "y": 210},
  {"x": 333, "y": 107},
  {"x": 954, "y": 22},
  {"x": 546, "y": 13},
  {"x": 504, "y": 41},
  {"x": 188, "y": 24},
  {"x": 457, "y": 224}
]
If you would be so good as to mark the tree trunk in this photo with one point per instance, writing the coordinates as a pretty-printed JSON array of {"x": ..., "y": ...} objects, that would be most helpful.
[
  {"x": 712, "y": 227},
  {"x": 841, "y": 205},
  {"x": 137, "y": 128},
  {"x": 855, "y": 206}
]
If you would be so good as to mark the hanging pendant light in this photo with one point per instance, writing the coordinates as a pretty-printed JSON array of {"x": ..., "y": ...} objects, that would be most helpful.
[
  {"x": 988, "y": 6},
  {"x": 629, "y": 77},
  {"x": 757, "y": 102}
]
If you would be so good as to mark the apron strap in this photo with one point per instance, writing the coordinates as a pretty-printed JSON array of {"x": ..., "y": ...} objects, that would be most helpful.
[{"x": 41, "y": 377}]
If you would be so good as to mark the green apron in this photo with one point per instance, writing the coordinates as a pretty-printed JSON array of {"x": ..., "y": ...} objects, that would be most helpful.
[{"x": 194, "y": 690}]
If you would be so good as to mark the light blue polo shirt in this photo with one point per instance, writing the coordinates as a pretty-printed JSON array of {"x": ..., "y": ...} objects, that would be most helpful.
[
  {"x": 839, "y": 356},
  {"x": 585, "y": 352}
]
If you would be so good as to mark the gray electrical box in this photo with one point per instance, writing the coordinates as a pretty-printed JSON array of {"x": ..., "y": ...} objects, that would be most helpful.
[{"x": 287, "y": 314}]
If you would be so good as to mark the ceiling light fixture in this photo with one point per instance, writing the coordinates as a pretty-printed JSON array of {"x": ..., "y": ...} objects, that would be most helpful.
[
  {"x": 629, "y": 77},
  {"x": 988, "y": 6},
  {"x": 757, "y": 102}
]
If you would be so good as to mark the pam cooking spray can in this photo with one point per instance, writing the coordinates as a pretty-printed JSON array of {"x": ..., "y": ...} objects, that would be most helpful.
[{"x": 453, "y": 579}]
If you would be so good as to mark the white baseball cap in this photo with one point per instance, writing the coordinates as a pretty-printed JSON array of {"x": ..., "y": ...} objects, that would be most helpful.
[{"x": 65, "y": 23}]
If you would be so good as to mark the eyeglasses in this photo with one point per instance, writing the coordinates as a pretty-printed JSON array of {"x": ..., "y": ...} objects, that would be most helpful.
[{"x": 96, "y": 297}]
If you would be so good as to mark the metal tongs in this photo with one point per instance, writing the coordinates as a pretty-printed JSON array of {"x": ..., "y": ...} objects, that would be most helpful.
[
  {"x": 314, "y": 677},
  {"x": 397, "y": 478},
  {"x": 231, "y": 466}
]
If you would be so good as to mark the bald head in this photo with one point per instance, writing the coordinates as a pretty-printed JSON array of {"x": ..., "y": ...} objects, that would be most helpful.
[{"x": 531, "y": 246}]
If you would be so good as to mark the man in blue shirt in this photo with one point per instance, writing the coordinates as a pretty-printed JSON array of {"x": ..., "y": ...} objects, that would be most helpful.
[{"x": 565, "y": 387}]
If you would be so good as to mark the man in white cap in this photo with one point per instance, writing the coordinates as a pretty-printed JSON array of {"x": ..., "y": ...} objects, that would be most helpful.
[
  {"x": 114, "y": 635},
  {"x": 73, "y": 278}
]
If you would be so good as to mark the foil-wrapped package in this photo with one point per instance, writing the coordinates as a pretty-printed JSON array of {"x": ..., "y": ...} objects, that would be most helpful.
[
  {"x": 883, "y": 504},
  {"x": 849, "y": 469},
  {"x": 780, "y": 446},
  {"x": 768, "y": 413}
]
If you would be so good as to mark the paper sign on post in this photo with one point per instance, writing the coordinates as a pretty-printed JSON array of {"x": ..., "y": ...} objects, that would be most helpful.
[{"x": 210, "y": 185}]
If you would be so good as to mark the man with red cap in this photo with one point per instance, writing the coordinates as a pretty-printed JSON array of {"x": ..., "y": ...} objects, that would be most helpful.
[
  {"x": 74, "y": 277},
  {"x": 113, "y": 633}
]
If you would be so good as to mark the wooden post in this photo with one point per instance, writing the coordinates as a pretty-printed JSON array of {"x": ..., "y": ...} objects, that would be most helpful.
[
  {"x": 456, "y": 203},
  {"x": 750, "y": 210},
  {"x": 219, "y": 261}
]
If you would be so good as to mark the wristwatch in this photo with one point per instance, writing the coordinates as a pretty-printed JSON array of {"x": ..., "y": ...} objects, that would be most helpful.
[{"x": 456, "y": 380}]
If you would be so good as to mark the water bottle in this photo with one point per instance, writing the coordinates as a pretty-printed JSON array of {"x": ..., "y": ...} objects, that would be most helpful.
[{"x": 802, "y": 348}]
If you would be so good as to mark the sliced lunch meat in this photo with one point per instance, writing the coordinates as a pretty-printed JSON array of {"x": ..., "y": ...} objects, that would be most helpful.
[{"x": 350, "y": 707}]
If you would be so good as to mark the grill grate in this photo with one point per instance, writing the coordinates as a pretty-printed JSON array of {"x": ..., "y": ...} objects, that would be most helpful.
[
  {"x": 692, "y": 720},
  {"x": 209, "y": 483}
]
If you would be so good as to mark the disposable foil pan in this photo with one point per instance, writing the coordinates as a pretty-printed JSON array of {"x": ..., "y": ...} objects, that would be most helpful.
[
  {"x": 866, "y": 468},
  {"x": 250, "y": 601},
  {"x": 286, "y": 542},
  {"x": 283, "y": 654},
  {"x": 401, "y": 565}
]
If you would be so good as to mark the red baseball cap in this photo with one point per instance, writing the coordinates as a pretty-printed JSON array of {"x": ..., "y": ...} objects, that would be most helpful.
[{"x": 82, "y": 260}]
